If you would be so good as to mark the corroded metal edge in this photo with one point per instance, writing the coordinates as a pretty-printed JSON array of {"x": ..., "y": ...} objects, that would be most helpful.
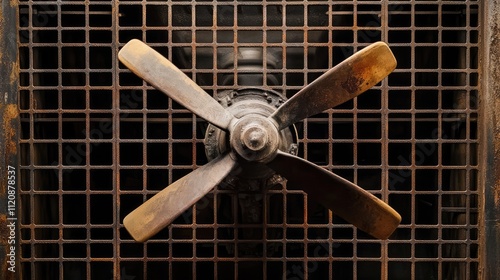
[
  {"x": 9, "y": 132},
  {"x": 489, "y": 267}
]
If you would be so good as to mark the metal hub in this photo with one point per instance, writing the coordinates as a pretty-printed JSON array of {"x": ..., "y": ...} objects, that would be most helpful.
[{"x": 255, "y": 138}]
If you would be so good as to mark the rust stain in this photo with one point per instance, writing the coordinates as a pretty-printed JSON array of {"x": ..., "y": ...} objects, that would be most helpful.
[
  {"x": 352, "y": 84},
  {"x": 10, "y": 115},
  {"x": 4, "y": 247},
  {"x": 14, "y": 73},
  {"x": 494, "y": 57},
  {"x": 490, "y": 105},
  {"x": 7, "y": 274},
  {"x": 4, "y": 230}
]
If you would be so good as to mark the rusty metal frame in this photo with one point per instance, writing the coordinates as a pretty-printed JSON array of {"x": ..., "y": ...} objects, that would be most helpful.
[
  {"x": 490, "y": 132},
  {"x": 9, "y": 132}
]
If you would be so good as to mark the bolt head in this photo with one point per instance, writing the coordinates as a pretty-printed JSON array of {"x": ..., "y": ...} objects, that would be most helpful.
[{"x": 255, "y": 138}]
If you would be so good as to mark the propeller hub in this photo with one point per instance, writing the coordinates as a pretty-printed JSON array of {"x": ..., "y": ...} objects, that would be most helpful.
[
  {"x": 255, "y": 138},
  {"x": 249, "y": 103}
]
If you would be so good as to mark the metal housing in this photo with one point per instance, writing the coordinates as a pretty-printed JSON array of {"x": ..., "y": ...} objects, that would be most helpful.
[{"x": 91, "y": 141}]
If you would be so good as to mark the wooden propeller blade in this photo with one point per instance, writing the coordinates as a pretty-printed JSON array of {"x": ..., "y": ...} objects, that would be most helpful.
[
  {"x": 165, "y": 76},
  {"x": 161, "y": 210},
  {"x": 347, "y": 200},
  {"x": 343, "y": 82}
]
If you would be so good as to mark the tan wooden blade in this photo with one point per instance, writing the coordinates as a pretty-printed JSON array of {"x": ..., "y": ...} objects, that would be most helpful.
[
  {"x": 347, "y": 200},
  {"x": 165, "y": 76},
  {"x": 161, "y": 210},
  {"x": 343, "y": 82}
]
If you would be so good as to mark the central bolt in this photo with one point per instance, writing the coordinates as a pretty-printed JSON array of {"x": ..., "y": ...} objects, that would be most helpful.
[{"x": 254, "y": 138}]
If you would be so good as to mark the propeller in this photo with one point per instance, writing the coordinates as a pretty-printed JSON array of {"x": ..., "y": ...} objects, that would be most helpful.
[
  {"x": 257, "y": 138},
  {"x": 342, "y": 83},
  {"x": 161, "y": 210},
  {"x": 344, "y": 198},
  {"x": 163, "y": 75}
]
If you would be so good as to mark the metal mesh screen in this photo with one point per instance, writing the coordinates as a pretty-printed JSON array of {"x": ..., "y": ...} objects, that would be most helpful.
[{"x": 97, "y": 141}]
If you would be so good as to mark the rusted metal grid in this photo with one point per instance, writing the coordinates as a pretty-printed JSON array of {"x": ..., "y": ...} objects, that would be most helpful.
[{"x": 97, "y": 141}]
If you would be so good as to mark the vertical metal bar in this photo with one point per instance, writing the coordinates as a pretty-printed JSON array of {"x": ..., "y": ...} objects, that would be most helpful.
[
  {"x": 412, "y": 140},
  {"x": 115, "y": 106},
  {"x": 490, "y": 128},
  {"x": 9, "y": 135},
  {"x": 384, "y": 118}
]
